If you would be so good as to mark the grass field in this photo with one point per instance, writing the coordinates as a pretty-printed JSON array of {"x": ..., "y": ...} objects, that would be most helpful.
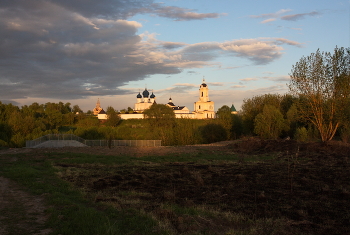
[{"x": 274, "y": 192}]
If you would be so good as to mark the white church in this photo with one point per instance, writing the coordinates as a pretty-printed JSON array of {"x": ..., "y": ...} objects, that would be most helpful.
[{"x": 203, "y": 108}]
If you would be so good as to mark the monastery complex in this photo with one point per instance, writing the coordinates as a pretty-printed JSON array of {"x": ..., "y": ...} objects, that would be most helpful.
[{"x": 203, "y": 108}]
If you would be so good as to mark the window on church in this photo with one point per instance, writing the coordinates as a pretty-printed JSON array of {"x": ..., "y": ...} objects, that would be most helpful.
[
  {"x": 202, "y": 94},
  {"x": 199, "y": 107}
]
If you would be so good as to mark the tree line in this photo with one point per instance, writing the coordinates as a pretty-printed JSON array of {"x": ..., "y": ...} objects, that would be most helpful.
[{"x": 316, "y": 108}]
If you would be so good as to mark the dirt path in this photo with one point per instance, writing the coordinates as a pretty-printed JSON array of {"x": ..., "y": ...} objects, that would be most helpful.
[{"x": 20, "y": 212}]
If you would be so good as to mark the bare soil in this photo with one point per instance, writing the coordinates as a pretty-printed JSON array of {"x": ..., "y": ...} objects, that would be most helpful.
[
  {"x": 122, "y": 150},
  {"x": 20, "y": 212},
  {"x": 307, "y": 185}
]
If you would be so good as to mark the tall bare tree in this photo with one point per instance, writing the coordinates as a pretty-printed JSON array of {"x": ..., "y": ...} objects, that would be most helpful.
[{"x": 322, "y": 82}]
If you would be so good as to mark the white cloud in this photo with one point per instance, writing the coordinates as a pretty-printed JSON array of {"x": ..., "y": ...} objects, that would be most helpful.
[
  {"x": 238, "y": 86},
  {"x": 248, "y": 79},
  {"x": 268, "y": 20},
  {"x": 278, "y": 78},
  {"x": 272, "y": 15}
]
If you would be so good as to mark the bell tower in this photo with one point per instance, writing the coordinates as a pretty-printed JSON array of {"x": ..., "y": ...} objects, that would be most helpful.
[
  {"x": 203, "y": 92},
  {"x": 98, "y": 108},
  {"x": 204, "y": 108}
]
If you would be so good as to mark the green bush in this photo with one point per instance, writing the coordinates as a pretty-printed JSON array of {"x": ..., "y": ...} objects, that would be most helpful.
[
  {"x": 212, "y": 132},
  {"x": 270, "y": 123},
  {"x": 301, "y": 134},
  {"x": 345, "y": 134}
]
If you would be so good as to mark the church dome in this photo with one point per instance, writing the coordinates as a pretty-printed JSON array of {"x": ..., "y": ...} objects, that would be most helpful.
[
  {"x": 152, "y": 96},
  {"x": 139, "y": 96},
  {"x": 145, "y": 93}
]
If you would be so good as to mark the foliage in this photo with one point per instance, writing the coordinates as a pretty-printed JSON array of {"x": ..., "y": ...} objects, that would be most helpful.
[
  {"x": 237, "y": 126},
  {"x": 301, "y": 134},
  {"x": 89, "y": 133},
  {"x": 160, "y": 115},
  {"x": 87, "y": 121},
  {"x": 212, "y": 133},
  {"x": 113, "y": 118},
  {"x": 161, "y": 121},
  {"x": 322, "y": 82},
  {"x": 225, "y": 118},
  {"x": 253, "y": 106},
  {"x": 186, "y": 131},
  {"x": 130, "y": 110},
  {"x": 29, "y": 122},
  {"x": 270, "y": 123},
  {"x": 76, "y": 109}
]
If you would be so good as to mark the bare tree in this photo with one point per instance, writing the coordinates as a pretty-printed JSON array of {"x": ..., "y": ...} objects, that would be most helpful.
[{"x": 322, "y": 82}]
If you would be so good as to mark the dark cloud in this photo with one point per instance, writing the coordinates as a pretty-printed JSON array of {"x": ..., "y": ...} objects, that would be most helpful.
[
  {"x": 47, "y": 50},
  {"x": 270, "y": 17},
  {"x": 120, "y": 9},
  {"x": 10, "y": 102},
  {"x": 172, "y": 45},
  {"x": 192, "y": 72},
  {"x": 72, "y": 49},
  {"x": 180, "y": 14}
]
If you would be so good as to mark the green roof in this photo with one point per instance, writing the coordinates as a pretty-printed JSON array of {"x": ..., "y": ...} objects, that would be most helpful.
[{"x": 233, "y": 109}]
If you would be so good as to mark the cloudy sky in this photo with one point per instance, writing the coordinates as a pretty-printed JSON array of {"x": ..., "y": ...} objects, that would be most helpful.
[{"x": 78, "y": 51}]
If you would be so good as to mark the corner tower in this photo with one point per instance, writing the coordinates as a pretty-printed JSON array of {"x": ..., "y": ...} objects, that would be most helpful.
[{"x": 97, "y": 108}]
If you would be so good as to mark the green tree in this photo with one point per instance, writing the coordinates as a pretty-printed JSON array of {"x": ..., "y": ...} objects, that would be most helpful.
[
  {"x": 87, "y": 121},
  {"x": 293, "y": 120},
  {"x": 130, "y": 110},
  {"x": 225, "y": 118},
  {"x": 270, "y": 123},
  {"x": 213, "y": 132},
  {"x": 237, "y": 126},
  {"x": 53, "y": 117},
  {"x": 160, "y": 115},
  {"x": 253, "y": 106},
  {"x": 322, "y": 82},
  {"x": 5, "y": 134},
  {"x": 186, "y": 131},
  {"x": 113, "y": 118},
  {"x": 345, "y": 129},
  {"x": 76, "y": 109},
  {"x": 161, "y": 122}
]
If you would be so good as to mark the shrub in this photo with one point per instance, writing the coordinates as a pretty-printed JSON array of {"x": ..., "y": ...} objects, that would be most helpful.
[
  {"x": 301, "y": 134},
  {"x": 212, "y": 133}
]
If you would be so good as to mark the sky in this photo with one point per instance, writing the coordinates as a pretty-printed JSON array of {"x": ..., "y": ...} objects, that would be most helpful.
[{"x": 80, "y": 51}]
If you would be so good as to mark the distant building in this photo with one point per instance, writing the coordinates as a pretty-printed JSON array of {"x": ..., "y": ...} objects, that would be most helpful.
[
  {"x": 102, "y": 115},
  {"x": 97, "y": 108},
  {"x": 203, "y": 108},
  {"x": 233, "y": 109},
  {"x": 178, "y": 109},
  {"x": 144, "y": 101}
]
